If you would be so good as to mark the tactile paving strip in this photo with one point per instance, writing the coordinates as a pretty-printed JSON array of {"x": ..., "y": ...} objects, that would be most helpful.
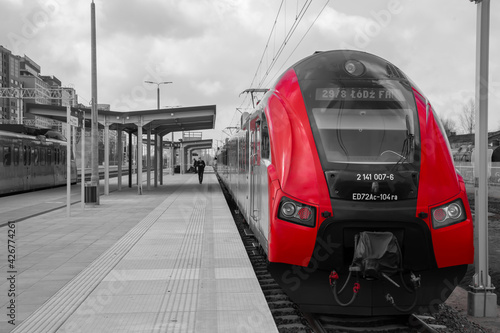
[
  {"x": 191, "y": 248},
  {"x": 57, "y": 309}
]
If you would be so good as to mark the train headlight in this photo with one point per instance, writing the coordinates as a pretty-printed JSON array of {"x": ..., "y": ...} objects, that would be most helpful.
[
  {"x": 288, "y": 209},
  {"x": 448, "y": 214},
  {"x": 454, "y": 211},
  {"x": 297, "y": 212},
  {"x": 354, "y": 67}
]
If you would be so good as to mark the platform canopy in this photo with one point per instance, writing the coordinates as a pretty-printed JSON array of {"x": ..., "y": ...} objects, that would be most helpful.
[
  {"x": 198, "y": 144},
  {"x": 161, "y": 122}
]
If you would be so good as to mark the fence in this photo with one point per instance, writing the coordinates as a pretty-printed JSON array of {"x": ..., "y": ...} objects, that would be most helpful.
[{"x": 466, "y": 170}]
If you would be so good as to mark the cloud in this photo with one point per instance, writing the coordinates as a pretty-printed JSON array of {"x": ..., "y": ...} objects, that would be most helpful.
[
  {"x": 207, "y": 87},
  {"x": 139, "y": 19},
  {"x": 210, "y": 49}
]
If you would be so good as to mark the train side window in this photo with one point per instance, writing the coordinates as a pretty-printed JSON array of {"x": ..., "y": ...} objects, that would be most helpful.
[
  {"x": 256, "y": 139},
  {"x": 63, "y": 156},
  {"x": 7, "y": 156},
  {"x": 265, "y": 142},
  {"x": 16, "y": 155},
  {"x": 241, "y": 152},
  {"x": 43, "y": 156},
  {"x": 25, "y": 155},
  {"x": 35, "y": 156},
  {"x": 247, "y": 145},
  {"x": 49, "y": 156}
]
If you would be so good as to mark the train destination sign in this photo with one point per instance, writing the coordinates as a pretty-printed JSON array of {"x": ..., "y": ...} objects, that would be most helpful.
[{"x": 359, "y": 94}]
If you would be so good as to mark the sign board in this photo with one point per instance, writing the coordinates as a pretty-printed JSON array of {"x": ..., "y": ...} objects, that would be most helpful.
[
  {"x": 73, "y": 121},
  {"x": 76, "y": 118}
]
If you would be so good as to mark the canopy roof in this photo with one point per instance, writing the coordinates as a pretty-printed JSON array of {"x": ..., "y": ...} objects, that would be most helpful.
[{"x": 160, "y": 121}]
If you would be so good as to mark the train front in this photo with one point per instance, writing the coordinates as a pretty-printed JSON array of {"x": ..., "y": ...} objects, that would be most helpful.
[{"x": 368, "y": 215}]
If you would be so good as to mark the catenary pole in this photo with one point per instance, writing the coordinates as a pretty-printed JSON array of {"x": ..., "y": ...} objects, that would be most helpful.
[
  {"x": 94, "y": 179},
  {"x": 481, "y": 298}
]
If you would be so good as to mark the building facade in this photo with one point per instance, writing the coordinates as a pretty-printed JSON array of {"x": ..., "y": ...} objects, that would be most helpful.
[
  {"x": 31, "y": 78},
  {"x": 18, "y": 72},
  {"x": 9, "y": 78}
]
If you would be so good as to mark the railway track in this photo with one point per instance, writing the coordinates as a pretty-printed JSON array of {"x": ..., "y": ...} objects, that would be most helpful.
[
  {"x": 389, "y": 324},
  {"x": 32, "y": 209}
]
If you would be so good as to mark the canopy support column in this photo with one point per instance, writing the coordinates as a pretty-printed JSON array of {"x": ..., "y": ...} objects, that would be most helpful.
[
  {"x": 139, "y": 157},
  {"x": 119, "y": 157},
  {"x": 148, "y": 160}
]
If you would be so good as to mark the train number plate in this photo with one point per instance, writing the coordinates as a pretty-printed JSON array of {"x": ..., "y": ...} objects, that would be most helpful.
[
  {"x": 375, "y": 176},
  {"x": 374, "y": 197}
]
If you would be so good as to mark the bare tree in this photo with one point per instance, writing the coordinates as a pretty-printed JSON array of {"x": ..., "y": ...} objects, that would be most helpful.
[
  {"x": 468, "y": 117},
  {"x": 449, "y": 125}
]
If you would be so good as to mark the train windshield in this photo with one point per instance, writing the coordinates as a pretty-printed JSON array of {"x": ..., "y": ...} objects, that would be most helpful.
[{"x": 363, "y": 121}]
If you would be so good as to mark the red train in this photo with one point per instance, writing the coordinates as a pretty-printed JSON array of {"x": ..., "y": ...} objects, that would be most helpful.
[
  {"x": 345, "y": 175},
  {"x": 31, "y": 159}
]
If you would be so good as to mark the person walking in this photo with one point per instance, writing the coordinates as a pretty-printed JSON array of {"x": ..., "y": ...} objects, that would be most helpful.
[
  {"x": 201, "y": 169},
  {"x": 195, "y": 165}
]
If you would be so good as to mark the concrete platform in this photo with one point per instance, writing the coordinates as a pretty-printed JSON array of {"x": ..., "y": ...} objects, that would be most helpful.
[
  {"x": 181, "y": 268},
  {"x": 458, "y": 301}
]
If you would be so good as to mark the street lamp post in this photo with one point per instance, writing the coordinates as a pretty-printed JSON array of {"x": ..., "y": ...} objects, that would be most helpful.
[
  {"x": 158, "y": 91},
  {"x": 158, "y": 108}
]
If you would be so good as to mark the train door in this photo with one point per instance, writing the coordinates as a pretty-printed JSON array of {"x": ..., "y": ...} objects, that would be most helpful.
[
  {"x": 265, "y": 162},
  {"x": 26, "y": 165},
  {"x": 255, "y": 177},
  {"x": 246, "y": 171}
]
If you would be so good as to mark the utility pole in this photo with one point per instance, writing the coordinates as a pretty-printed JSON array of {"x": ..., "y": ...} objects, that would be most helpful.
[
  {"x": 158, "y": 108},
  {"x": 94, "y": 179},
  {"x": 482, "y": 301}
]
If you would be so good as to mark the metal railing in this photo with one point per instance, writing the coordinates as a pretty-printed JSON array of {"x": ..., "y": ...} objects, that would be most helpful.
[{"x": 466, "y": 170}]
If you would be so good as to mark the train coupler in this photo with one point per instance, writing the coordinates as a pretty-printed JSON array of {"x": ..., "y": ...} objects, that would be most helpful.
[
  {"x": 376, "y": 255},
  {"x": 333, "y": 278}
]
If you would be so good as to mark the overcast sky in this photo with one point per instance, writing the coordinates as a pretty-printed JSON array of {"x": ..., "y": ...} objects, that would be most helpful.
[{"x": 211, "y": 49}]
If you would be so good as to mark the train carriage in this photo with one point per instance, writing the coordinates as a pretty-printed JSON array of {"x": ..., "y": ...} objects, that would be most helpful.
[
  {"x": 347, "y": 180},
  {"x": 32, "y": 159}
]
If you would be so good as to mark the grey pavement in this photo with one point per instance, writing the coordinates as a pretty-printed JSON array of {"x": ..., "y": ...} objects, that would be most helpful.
[
  {"x": 52, "y": 249},
  {"x": 169, "y": 260}
]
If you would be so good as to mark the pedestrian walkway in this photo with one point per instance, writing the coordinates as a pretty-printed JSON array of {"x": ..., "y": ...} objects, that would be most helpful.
[{"x": 181, "y": 267}]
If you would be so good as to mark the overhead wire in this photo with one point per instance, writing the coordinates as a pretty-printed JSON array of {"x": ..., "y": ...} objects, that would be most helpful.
[
  {"x": 290, "y": 33},
  {"x": 267, "y": 43},
  {"x": 262, "y": 57},
  {"x": 298, "y": 44},
  {"x": 276, "y": 54}
]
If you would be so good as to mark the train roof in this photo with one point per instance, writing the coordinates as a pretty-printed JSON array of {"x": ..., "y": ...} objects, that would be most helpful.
[
  {"x": 33, "y": 131},
  {"x": 331, "y": 64}
]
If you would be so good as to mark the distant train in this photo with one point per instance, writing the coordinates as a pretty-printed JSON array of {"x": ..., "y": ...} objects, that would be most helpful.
[
  {"x": 345, "y": 175},
  {"x": 32, "y": 159}
]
